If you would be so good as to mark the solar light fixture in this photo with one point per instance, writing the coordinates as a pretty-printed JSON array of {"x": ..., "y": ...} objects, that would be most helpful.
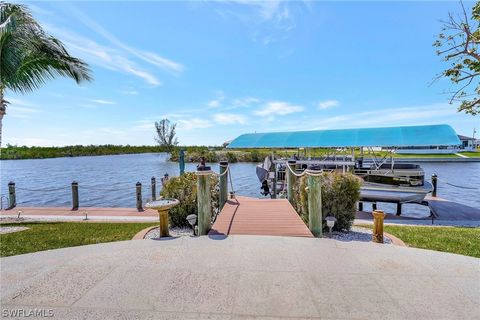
[
  {"x": 86, "y": 215},
  {"x": 19, "y": 213},
  {"x": 330, "y": 223},
  {"x": 192, "y": 219}
]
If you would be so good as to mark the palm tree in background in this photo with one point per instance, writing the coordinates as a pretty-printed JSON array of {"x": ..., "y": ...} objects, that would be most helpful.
[{"x": 29, "y": 56}]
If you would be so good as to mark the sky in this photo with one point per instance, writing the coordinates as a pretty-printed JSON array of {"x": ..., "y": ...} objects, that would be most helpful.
[{"x": 221, "y": 69}]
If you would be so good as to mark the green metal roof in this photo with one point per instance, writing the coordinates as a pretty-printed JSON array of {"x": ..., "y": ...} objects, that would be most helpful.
[{"x": 431, "y": 135}]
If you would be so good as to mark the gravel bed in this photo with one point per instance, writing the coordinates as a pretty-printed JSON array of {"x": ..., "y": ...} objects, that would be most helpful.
[
  {"x": 357, "y": 234},
  {"x": 174, "y": 232},
  {"x": 4, "y": 230}
]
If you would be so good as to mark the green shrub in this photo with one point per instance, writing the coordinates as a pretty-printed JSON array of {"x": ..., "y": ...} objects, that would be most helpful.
[
  {"x": 340, "y": 192},
  {"x": 184, "y": 188}
]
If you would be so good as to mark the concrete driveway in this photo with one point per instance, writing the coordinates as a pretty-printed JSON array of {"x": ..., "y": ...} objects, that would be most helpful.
[{"x": 240, "y": 277}]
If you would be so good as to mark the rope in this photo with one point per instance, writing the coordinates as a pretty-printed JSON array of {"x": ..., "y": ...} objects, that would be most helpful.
[
  {"x": 104, "y": 189},
  {"x": 457, "y": 186},
  {"x": 313, "y": 173},
  {"x": 208, "y": 172},
  {"x": 42, "y": 190}
]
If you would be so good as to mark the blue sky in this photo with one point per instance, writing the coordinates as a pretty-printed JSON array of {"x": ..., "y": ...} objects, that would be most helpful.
[{"x": 220, "y": 69}]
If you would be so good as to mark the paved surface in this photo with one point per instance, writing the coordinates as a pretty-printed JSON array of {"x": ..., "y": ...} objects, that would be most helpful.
[
  {"x": 241, "y": 277},
  {"x": 251, "y": 216},
  {"x": 94, "y": 213}
]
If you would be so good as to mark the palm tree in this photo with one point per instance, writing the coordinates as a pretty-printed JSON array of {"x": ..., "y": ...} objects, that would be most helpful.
[{"x": 29, "y": 56}]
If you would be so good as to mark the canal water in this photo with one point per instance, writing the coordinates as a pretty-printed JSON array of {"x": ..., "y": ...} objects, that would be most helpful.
[{"x": 109, "y": 181}]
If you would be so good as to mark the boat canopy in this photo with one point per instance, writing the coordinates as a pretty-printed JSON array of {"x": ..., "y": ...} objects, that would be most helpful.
[{"x": 410, "y": 136}]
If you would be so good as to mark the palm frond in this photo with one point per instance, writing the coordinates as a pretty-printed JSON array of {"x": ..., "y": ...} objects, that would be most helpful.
[{"x": 29, "y": 56}]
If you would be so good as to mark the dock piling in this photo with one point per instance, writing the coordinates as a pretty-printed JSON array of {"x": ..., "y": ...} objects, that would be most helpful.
[
  {"x": 181, "y": 161},
  {"x": 315, "y": 218},
  {"x": 12, "y": 196},
  {"x": 154, "y": 188},
  {"x": 434, "y": 184},
  {"x": 204, "y": 202},
  {"x": 399, "y": 209},
  {"x": 75, "y": 198},
  {"x": 223, "y": 192},
  {"x": 291, "y": 179},
  {"x": 138, "y": 189}
]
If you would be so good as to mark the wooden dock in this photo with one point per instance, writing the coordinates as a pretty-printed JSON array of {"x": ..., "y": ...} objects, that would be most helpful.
[{"x": 250, "y": 216}]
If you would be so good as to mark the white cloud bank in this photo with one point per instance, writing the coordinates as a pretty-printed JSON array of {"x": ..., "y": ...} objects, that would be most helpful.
[
  {"x": 278, "y": 108},
  {"x": 327, "y": 104}
]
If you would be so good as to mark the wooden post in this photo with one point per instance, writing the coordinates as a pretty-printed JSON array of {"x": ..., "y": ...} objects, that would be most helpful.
[
  {"x": 291, "y": 180},
  {"x": 181, "y": 161},
  {"x": 75, "y": 198},
  {"x": 273, "y": 168},
  {"x": 163, "y": 218},
  {"x": 138, "y": 189},
  {"x": 204, "y": 202},
  {"x": 399, "y": 209},
  {"x": 315, "y": 218},
  {"x": 378, "y": 216},
  {"x": 12, "y": 196},
  {"x": 434, "y": 183},
  {"x": 154, "y": 188},
  {"x": 223, "y": 192},
  {"x": 360, "y": 206}
]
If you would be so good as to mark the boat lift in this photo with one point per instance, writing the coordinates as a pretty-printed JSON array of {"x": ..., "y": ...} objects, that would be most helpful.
[{"x": 340, "y": 145}]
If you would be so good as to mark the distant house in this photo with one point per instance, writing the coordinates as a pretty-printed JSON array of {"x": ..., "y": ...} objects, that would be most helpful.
[{"x": 468, "y": 144}]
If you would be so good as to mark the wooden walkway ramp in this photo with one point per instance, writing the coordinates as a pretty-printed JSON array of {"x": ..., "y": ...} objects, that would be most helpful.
[{"x": 250, "y": 216}]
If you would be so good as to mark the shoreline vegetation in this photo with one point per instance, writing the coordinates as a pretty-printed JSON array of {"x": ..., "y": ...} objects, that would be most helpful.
[{"x": 192, "y": 153}]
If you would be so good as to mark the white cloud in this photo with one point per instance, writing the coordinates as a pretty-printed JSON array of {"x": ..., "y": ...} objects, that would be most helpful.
[
  {"x": 193, "y": 123},
  {"x": 415, "y": 115},
  {"x": 213, "y": 103},
  {"x": 144, "y": 125},
  {"x": 101, "y": 101},
  {"x": 327, "y": 104},
  {"x": 149, "y": 57},
  {"x": 129, "y": 92},
  {"x": 278, "y": 108},
  {"x": 246, "y": 102},
  {"x": 103, "y": 56},
  {"x": 271, "y": 20},
  {"x": 229, "y": 118}
]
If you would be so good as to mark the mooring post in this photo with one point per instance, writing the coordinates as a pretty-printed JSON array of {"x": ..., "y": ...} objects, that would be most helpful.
[
  {"x": 12, "y": 196},
  {"x": 75, "y": 198},
  {"x": 204, "y": 201},
  {"x": 360, "y": 206},
  {"x": 138, "y": 189},
  {"x": 399, "y": 209},
  {"x": 377, "y": 235},
  {"x": 223, "y": 192},
  {"x": 154, "y": 188},
  {"x": 181, "y": 161},
  {"x": 291, "y": 180},
  {"x": 315, "y": 217},
  {"x": 434, "y": 184}
]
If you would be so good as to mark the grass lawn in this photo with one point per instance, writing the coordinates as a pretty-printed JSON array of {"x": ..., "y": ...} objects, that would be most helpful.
[
  {"x": 53, "y": 235},
  {"x": 465, "y": 241}
]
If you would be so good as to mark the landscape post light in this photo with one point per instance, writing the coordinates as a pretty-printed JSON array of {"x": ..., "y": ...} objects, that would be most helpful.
[
  {"x": 19, "y": 214},
  {"x": 192, "y": 220},
  {"x": 86, "y": 215},
  {"x": 330, "y": 224}
]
